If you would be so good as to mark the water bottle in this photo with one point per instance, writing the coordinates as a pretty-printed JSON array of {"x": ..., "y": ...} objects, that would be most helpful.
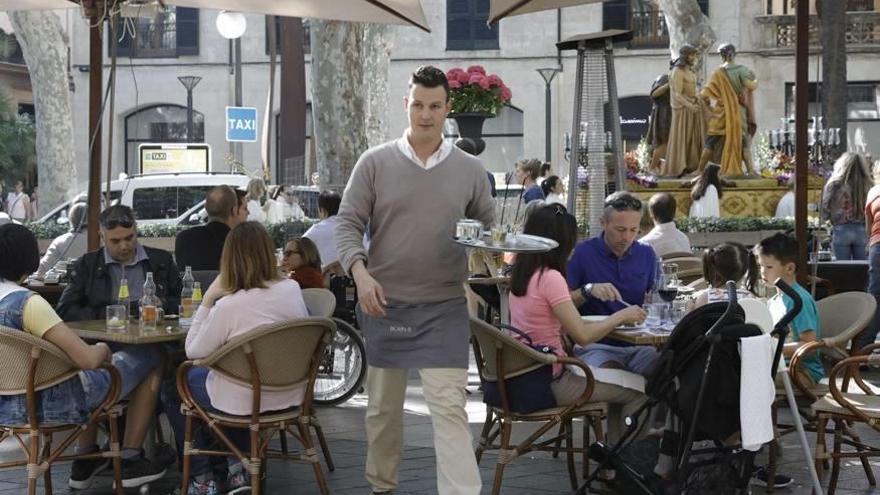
[
  {"x": 186, "y": 298},
  {"x": 149, "y": 309}
]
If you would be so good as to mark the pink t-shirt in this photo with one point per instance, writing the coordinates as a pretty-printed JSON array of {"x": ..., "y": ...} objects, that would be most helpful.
[{"x": 533, "y": 312}]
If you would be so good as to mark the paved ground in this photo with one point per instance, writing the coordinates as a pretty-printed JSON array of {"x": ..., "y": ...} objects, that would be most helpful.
[{"x": 534, "y": 474}]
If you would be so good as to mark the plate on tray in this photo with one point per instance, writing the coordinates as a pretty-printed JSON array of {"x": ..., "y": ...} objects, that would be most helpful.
[{"x": 630, "y": 328}]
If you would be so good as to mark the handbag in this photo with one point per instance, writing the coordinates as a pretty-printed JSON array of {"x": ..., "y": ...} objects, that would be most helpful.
[{"x": 528, "y": 392}]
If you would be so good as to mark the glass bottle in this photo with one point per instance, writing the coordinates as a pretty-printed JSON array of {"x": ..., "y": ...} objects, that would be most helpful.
[
  {"x": 122, "y": 295},
  {"x": 186, "y": 297},
  {"x": 149, "y": 309}
]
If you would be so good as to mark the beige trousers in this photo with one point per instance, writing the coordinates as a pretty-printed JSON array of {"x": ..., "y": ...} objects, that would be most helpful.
[
  {"x": 457, "y": 472},
  {"x": 622, "y": 401}
]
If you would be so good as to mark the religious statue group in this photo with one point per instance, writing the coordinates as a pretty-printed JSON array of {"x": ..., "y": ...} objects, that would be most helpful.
[{"x": 689, "y": 129}]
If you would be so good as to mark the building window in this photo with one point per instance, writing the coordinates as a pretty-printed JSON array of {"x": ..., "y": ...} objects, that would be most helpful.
[
  {"x": 863, "y": 100},
  {"x": 307, "y": 40},
  {"x": 173, "y": 32},
  {"x": 643, "y": 18},
  {"x": 158, "y": 124},
  {"x": 466, "y": 27}
]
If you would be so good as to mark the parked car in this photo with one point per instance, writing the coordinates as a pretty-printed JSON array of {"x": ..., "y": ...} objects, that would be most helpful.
[{"x": 158, "y": 198}]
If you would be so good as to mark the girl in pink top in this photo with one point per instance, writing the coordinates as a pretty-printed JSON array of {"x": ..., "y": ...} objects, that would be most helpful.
[{"x": 541, "y": 306}]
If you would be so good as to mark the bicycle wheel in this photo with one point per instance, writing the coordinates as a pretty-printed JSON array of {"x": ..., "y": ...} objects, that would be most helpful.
[{"x": 343, "y": 367}]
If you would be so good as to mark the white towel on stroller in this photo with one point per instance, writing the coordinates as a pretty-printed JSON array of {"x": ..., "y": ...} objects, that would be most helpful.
[{"x": 756, "y": 392}]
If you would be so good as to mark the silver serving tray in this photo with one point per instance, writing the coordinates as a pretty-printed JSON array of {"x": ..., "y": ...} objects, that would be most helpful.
[{"x": 515, "y": 243}]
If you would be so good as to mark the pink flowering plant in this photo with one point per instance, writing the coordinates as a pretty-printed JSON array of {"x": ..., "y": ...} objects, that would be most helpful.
[{"x": 472, "y": 90}]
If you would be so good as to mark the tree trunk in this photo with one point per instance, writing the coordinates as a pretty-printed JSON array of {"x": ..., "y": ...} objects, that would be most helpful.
[
  {"x": 832, "y": 32},
  {"x": 44, "y": 47},
  {"x": 687, "y": 24},
  {"x": 350, "y": 65}
]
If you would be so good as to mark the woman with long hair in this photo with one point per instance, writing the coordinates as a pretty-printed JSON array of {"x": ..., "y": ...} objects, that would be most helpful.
[
  {"x": 541, "y": 306},
  {"x": 248, "y": 293},
  {"x": 706, "y": 193},
  {"x": 256, "y": 199},
  {"x": 302, "y": 263},
  {"x": 843, "y": 204},
  {"x": 872, "y": 231}
]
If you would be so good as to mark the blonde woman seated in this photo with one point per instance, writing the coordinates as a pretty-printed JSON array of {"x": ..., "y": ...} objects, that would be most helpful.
[
  {"x": 541, "y": 306},
  {"x": 248, "y": 293}
]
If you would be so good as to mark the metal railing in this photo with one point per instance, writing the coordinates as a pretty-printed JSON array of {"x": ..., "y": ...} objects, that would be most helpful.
[{"x": 862, "y": 29}]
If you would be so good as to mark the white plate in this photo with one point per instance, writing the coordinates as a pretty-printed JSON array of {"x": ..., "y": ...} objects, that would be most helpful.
[
  {"x": 594, "y": 318},
  {"x": 626, "y": 329}
]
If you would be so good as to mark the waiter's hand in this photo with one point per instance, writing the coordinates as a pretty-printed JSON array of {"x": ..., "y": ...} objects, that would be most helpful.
[
  {"x": 606, "y": 292},
  {"x": 370, "y": 294}
]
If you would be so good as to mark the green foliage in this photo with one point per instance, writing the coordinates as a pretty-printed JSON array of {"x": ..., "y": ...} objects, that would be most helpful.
[
  {"x": 18, "y": 137},
  {"x": 734, "y": 224},
  {"x": 280, "y": 232}
]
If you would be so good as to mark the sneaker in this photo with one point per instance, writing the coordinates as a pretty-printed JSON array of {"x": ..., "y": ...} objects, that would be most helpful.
[
  {"x": 238, "y": 483},
  {"x": 83, "y": 472},
  {"x": 208, "y": 487},
  {"x": 140, "y": 471},
  {"x": 759, "y": 477}
]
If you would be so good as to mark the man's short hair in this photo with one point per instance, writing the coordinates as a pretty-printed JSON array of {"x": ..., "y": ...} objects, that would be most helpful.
[
  {"x": 221, "y": 202},
  {"x": 662, "y": 207},
  {"x": 621, "y": 201},
  {"x": 329, "y": 202},
  {"x": 117, "y": 216},
  {"x": 430, "y": 77},
  {"x": 781, "y": 246}
]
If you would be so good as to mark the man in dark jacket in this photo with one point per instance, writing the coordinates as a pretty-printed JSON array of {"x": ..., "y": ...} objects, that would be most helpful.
[
  {"x": 95, "y": 278},
  {"x": 200, "y": 247}
]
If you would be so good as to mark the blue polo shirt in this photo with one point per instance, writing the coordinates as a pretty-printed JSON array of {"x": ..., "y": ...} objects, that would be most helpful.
[
  {"x": 632, "y": 274},
  {"x": 532, "y": 193}
]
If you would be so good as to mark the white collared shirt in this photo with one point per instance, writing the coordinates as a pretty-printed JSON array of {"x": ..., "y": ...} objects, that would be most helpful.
[
  {"x": 437, "y": 157},
  {"x": 666, "y": 238}
]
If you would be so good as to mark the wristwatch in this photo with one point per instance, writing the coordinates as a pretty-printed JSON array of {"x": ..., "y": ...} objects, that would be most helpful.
[{"x": 587, "y": 290}]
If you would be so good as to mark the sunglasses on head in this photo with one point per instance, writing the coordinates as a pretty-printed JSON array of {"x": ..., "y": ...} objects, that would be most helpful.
[{"x": 624, "y": 202}]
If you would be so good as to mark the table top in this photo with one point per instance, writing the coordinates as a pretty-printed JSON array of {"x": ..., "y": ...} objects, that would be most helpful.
[
  {"x": 166, "y": 331},
  {"x": 45, "y": 288}
]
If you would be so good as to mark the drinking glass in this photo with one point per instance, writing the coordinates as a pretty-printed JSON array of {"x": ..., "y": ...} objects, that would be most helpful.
[
  {"x": 186, "y": 312},
  {"x": 655, "y": 314},
  {"x": 117, "y": 317}
]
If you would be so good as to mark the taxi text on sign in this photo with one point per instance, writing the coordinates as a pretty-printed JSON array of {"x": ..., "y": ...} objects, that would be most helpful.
[{"x": 241, "y": 124}]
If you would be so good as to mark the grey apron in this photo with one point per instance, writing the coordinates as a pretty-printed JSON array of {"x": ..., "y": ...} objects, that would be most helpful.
[{"x": 430, "y": 335}]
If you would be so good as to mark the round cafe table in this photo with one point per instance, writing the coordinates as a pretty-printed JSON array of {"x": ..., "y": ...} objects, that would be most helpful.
[{"x": 132, "y": 333}]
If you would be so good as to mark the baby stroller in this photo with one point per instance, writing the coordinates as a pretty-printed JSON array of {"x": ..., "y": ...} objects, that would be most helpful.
[{"x": 697, "y": 377}]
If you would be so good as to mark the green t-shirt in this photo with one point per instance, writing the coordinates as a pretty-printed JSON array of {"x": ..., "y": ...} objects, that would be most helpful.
[{"x": 807, "y": 319}]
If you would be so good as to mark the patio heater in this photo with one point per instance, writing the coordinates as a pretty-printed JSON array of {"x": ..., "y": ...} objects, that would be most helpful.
[
  {"x": 189, "y": 82},
  {"x": 595, "y": 127}
]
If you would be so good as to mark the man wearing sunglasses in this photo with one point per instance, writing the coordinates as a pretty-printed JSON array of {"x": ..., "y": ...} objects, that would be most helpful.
[
  {"x": 610, "y": 271},
  {"x": 95, "y": 278}
]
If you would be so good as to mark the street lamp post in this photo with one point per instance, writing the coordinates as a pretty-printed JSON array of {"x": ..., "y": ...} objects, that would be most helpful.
[
  {"x": 548, "y": 74},
  {"x": 232, "y": 26},
  {"x": 189, "y": 82}
]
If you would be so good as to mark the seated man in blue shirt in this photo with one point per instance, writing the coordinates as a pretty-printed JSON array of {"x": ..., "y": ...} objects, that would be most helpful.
[{"x": 608, "y": 270}]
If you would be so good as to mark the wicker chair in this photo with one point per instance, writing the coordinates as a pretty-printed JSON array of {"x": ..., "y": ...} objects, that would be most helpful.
[
  {"x": 501, "y": 357},
  {"x": 841, "y": 318},
  {"x": 30, "y": 365},
  {"x": 271, "y": 357},
  {"x": 843, "y": 406},
  {"x": 320, "y": 302}
]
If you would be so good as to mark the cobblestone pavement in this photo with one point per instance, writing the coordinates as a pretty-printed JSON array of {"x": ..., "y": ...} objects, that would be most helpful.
[{"x": 536, "y": 473}]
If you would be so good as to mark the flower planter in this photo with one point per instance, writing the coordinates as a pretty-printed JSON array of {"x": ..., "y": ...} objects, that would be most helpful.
[{"x": 470, "y": 125}]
